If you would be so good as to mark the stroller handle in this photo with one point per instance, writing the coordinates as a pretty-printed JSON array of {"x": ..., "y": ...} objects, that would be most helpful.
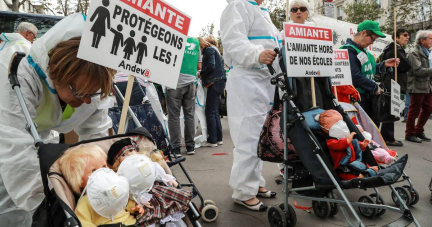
[{"x": 13, "y": 79}]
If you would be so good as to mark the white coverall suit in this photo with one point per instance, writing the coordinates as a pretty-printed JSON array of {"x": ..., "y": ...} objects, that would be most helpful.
[
  {"x": 12, "y": 42},
  {"x": 21, "y": 189},
  {"x": 247, "y": 30}
]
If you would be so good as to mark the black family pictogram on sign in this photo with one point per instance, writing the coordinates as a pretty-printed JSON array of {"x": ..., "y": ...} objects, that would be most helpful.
[
  {"x": 129, "y": 46},
  {"x": 98, "y": 29},
  {"x": 118, "y": 39},
  {"x": 142, "y": 49}
]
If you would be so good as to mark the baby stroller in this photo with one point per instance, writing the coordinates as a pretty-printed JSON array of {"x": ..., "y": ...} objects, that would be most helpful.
[
  {"x": 59, "y": 203},
  {"x": 313, "y": 175},
  {"x": 409, "y": 195}
]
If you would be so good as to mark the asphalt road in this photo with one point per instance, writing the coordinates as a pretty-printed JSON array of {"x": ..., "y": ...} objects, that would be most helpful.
[{"x": 211, "y": 175}]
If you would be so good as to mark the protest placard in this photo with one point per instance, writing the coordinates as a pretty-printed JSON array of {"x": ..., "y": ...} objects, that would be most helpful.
[
  {"x": 144, "y": 38},
  {"x": 395, "y": 106},
  {"x": 309, "y": 50},
  {"x": 342, "y": 71}
]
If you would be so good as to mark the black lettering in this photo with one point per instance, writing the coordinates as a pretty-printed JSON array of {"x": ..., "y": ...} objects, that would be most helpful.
[
  {"x": 133, "y": 20},
  {"x": 122, "y": 64},
  {"x": 141, "y": 21},
  {"x": 117, "y": 11},
  {"x": 154, "y": 53},
  {"x": 125, "y": 16},
  {"x": 167, "y": 38},
  {"x": 168, "y": 59},
  {"x": 154, "y": 31},
  {"x": 147, "y": 26},
  {"x": 161, "y": 33},
  {"x": 180, "y": 43}
]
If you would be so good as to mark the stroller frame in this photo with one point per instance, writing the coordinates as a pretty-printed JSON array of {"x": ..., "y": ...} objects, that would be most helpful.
[
  {"x": 284, "y": 215},
  {"x": 71, "y": 220}
]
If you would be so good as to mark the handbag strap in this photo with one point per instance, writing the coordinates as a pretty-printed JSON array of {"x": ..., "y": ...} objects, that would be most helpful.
[{"x": 276, "y": 100}]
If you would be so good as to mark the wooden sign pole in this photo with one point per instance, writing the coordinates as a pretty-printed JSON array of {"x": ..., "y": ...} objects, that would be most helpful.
[
  {"x": 335, "y": 92},
  {"x": 395, "y": 46},
  {"x": 126, "y": 104}
]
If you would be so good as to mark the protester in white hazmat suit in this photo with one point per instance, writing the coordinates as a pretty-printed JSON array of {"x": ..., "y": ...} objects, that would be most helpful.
[
  {"x": 61, "y": 98},
  {"x": 249, "y": 37}
]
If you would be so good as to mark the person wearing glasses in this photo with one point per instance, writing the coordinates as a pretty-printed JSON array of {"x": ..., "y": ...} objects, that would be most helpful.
[
  {"x": 249, "y": 38},
  {"x": 12, "y": 42},
  {"x": 362, "y": 62},
  {"x": 62, "y": 93},
  {"x": 401, "y": 40}
]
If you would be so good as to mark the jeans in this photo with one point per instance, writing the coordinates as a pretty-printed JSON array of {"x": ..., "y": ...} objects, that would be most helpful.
[
  {"x": 407, "y": 103},
  {"x": 176, "y": 99},
  {"x": 214, "y": 126},
  {"x": 421, "y": 106}
]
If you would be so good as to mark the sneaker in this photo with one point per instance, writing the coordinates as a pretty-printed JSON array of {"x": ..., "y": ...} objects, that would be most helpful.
[
  {"x": 413, "y": 139},
  {"x": 219, "y": 142},
  {"x": 190, "y": 150},
  {"x": 404, "y": 121},
  {"x": 177, "y": 152},
  {"x": 206, "y": 144}
]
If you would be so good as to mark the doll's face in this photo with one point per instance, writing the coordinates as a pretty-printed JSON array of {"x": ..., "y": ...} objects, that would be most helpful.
[
  {"x": 328, "y": 118},
  {"x": 127, "y": 154},
  {"x": 92, "y": 165}
]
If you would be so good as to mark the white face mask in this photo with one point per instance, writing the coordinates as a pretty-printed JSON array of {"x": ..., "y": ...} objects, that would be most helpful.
[
  {"x": 339, "y": 130},
  {"x": 107, "y": 192},
  {"x": 367, "y": 135},
  {"x": 140, "y": 172}
]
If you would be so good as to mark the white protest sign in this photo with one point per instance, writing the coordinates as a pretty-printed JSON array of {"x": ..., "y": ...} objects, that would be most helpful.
[
  {"x": 342, "y": 70},
  {"x": 144, "y": 38},
  {"x": 343, "y": 30},
  {"x": 309, "y": 50},
  {"x": 395, "y": 107}
]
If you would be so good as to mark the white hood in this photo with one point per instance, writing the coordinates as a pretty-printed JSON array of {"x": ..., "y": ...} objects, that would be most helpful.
[{"x": 41, "y": 47}]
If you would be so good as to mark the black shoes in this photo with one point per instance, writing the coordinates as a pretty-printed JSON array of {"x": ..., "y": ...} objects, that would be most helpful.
[
  {"x": 413, "y": 139},
  {"x": 190, "y": 150},
  {"x": 423, "y": 137},
  {"x": 177, "y": 152}
]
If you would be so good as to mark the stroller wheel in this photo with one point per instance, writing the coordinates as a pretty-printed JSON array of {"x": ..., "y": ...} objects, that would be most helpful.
[
  {"x": 380, "y": 202},
  {"x": 276, "y": 217},
  {"x": 367, "y": 212},
  {"x": 321, "y": 209},
  {"x": 208, "y": 202},
  {"x": 290, "y": 216},
  {"x": 414, "y": 195},
  {"x": 334, "y": 207},
  {"x": 404, "y": 194},
  {"x": 210, "y": 213}
]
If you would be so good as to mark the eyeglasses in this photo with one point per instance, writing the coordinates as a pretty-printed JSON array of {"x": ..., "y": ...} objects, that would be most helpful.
[
  {"x": 406, "y": 35},
  {"x": 372, "y": 38},
  {"x": 295, "y": 9},
  {"x": 34, "y": 36},
  {"x": 78, "y": 96}
]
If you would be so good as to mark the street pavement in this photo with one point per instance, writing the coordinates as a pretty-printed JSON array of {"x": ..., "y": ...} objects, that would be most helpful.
[{"x": 211, "y": 173}]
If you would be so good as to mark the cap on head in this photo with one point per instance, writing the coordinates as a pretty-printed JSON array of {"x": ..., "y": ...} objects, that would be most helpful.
[
  {"x": 119, "y": 147},
  {"x": 369, "y": 25}
]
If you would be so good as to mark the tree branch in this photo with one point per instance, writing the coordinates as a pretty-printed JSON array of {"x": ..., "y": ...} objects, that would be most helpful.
[{"x": 9, "y": 5}]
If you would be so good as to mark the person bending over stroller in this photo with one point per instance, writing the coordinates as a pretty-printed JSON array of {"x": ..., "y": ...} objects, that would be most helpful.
[
  {"x": 345, "y": 151},
  {"x": 78, "y": 166},
  {"x": 150, "y": 186}
]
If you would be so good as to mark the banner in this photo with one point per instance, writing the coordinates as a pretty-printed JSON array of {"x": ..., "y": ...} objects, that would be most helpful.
[
  {"x": 343, "y": 30},
  {"x": 309, "y": 50},
  {"x": 342, "y": 70},
  {"x": 144, "y": 38},
  {"x": 395, "y": 107}
]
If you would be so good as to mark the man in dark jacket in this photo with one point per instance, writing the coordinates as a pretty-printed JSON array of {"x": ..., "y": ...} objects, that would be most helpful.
[
  {"x": 420, "y": 88},
  {"x": 401, "y": 40},
  {"x": 362, "y": 62}
]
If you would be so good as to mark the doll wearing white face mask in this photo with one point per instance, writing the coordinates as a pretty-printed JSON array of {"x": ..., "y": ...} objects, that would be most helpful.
[{"x": 344, "y": 149}]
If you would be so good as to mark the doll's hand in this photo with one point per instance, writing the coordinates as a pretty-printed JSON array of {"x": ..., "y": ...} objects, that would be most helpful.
[
  {"x": 138, "y": 209},
  {"x": 364, "y": 144},
  {"x": 350, "y": 137},
  {"x": 148, "y": 205},
  {"x": 173, "y": 183},
  {"x": 375, "y": 168}
]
